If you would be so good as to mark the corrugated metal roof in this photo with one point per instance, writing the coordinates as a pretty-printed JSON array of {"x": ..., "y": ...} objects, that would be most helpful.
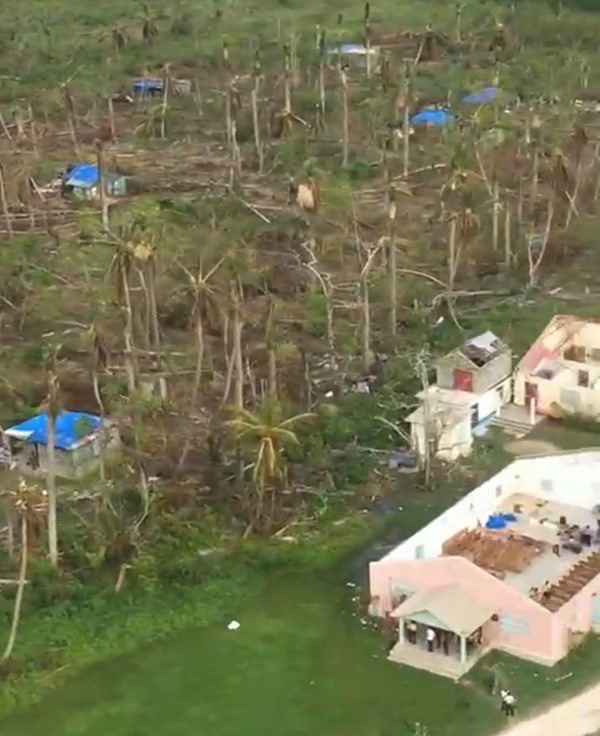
[
  {"x": 70, "y": 428},
  {"x": 461, "y": 613}
]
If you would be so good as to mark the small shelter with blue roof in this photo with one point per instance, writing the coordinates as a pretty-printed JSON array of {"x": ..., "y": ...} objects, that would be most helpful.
[
  {"x": 83, "y": 181},
  {"x": 79, "y": 440}
]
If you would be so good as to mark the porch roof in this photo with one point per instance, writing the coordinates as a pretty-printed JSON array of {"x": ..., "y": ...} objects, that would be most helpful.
[{"x": 454, "y": 608}]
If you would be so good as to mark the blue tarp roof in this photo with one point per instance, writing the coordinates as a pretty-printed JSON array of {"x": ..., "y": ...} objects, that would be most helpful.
[
  {"x": 71, "y": 427},
  {"x": 83, "y": 176},
  {"x": 432, "y": 116},
  {"x": 147, "y": 85},
  {"x": 481, "y": 96}
]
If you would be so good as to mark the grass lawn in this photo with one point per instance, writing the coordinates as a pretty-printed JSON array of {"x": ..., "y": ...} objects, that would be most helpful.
[{"x": 301, "y": 664}]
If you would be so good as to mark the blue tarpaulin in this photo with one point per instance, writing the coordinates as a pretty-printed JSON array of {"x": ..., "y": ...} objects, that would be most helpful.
[
  {"x": 481, "y": 96},
  {"x": 70, "y": 428},
  {"x": 432, "y": 116},
  {"x": 496, "y": 521},
  {"x": 83, "y": 176},
  {"x": 141, "y": 86}
]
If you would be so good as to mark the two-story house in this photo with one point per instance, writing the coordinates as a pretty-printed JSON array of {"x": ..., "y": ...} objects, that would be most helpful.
[{"x": 473, "y": 382}]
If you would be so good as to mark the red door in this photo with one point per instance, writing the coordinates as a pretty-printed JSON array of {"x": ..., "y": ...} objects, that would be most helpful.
[
  {"x": 463, "y": 380},
  {"x": 531, "y": 395},
  {"x": 531, "y": 390}
]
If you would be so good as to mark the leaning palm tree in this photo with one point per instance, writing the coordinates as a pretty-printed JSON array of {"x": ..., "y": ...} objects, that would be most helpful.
[
  {"x": 269, "y": 430},
  {"x": 28, "y": 501}
]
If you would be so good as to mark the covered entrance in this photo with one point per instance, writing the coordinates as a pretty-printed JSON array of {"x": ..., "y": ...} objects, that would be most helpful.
[{"x": 460, "y": 625}]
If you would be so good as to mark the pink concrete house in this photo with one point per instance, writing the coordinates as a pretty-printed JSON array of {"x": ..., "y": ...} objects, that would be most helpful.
[{"x": 514, "y": 565}]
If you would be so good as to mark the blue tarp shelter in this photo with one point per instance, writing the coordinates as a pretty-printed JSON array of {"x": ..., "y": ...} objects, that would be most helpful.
[
  {"x": 71, "y": 427},
  {"x": 147, "y": 86},
  {"x": 432, "y": 116},
  {"x": 482, "y": 96},
  {"x": 82, "y": 176}
]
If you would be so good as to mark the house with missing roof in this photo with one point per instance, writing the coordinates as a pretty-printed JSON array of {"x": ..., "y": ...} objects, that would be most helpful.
[
  {"x": 474, "y": 574},
  {"x": 79, "y": 440},
  {"x": 560, "y": 373},
  {"x": 472, "y": 383},
  {"x": 82, "y": 181}
]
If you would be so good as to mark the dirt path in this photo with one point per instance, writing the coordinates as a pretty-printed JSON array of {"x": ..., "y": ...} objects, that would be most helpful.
[{"x": 579, "y": 716}]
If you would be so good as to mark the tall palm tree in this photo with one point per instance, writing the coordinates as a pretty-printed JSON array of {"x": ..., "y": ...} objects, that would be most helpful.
[
  {"x": 27, "y": 501},
  {"x": 269, "y": 431}
]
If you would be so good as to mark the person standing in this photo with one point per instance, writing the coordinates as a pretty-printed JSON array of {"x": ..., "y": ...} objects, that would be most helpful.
[
  {"x": 431, "y": 637},
  {"x": 508, "y": 703},
  {"x": 411, "y": 627}
]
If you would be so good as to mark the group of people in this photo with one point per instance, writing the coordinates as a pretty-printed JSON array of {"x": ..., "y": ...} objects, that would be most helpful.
[{"x": 543, "y": 593}]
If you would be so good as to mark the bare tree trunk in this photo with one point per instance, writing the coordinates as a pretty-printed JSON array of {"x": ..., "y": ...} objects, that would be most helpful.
[
  {"x": 111, "y": 119},
  {"x": 271, "y": 351},
  {"x": 452, "y": 255},
  {"x": 199, "y": 362},
  {"x": 534, "y": 264},
  {"x": 346, "y": 121},
  {"x": 237, "y": 354},
  {"x": 33, "y": 131},
  {"x": 256, "y": 124},
  {"x": 70, "y": 111},
  {"x": 51, "y": 487},
  {"x": 496, "y": 217},
  {"x": 98, "y": 397},
  {"x": 507, "y": 237},
  {"x": 102, "y": 187},
  {"x": 367, "y": 355},
  {"x": 393, "y": 269},
  {"x": 10, "y": 534},
  {"x": 16, "y": 617},
  {"x": 129, "y": 356},
  {"x": 406, "y": 140},
  {"x": 165, "y": 104},
  {"x": 5, "y": 208}
]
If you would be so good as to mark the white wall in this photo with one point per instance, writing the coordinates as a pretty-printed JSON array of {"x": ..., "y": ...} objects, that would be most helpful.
[
  {"x": 491, "y": 401},
  {"x": 569, "y": 478},
  {"x": 469, "y": 512}
]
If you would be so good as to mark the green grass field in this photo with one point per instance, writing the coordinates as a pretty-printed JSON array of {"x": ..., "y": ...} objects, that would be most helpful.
[{"x": 301, "y": 664}]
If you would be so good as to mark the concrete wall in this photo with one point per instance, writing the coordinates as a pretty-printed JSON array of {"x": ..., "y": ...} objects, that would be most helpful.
[
  {"x": 537, "y": 642},
  {"x": 452, "y": 439},
  {"x": 484, "y": 377},
  {"x": 469, "y": 512},
  {"x": 575, "y": 616},
  {"x": 569, "y": 478}
]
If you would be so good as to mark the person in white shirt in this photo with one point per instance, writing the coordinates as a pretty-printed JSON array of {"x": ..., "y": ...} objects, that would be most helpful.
[
  {"x": 431, "y": 637},
  {"x": 508, "y": 702}
]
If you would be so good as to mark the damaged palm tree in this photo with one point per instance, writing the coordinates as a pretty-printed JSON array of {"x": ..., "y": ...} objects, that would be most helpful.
[{"x": 28, "y": 502}]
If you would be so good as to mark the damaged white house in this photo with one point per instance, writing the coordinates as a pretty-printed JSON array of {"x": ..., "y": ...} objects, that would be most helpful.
[{"x": 473, "y": 382}]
